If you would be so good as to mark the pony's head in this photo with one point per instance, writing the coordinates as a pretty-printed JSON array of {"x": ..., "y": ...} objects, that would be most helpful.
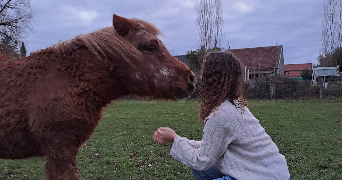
[{"x": 153, "y": 71}]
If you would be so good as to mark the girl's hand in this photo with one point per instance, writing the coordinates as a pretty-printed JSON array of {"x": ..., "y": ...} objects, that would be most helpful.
[{"x": 164, "y": 135}]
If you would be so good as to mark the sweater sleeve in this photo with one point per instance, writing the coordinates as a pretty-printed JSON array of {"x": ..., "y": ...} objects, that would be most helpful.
[
  {"x": 194, "y": 144},
  {"x": 213, "y": 145}
]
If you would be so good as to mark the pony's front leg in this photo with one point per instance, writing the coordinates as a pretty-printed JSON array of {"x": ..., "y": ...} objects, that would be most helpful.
[
  {"x": 60, "y": 134},
  {"x": 61, "y": 164},
  {"x": 60, "y": 142}
]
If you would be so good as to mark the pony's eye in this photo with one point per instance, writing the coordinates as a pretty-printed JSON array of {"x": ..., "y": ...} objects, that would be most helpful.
[{"x": 151, "y": 48}]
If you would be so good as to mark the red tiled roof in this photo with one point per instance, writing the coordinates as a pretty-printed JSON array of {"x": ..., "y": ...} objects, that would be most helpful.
[
  {"x": 259, "y": 57},
  {"x": 298, "y": 67},
  {"x": 294, "y": 70}
]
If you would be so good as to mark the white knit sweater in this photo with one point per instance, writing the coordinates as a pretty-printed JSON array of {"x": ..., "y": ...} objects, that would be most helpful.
[{"x": 235, "y": 142}]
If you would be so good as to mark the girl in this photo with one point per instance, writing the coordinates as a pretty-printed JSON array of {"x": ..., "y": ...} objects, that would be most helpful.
[{"x": 234, "y": 145}]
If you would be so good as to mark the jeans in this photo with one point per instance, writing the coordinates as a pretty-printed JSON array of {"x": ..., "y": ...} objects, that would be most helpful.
[{"x": 210, "y": 174}]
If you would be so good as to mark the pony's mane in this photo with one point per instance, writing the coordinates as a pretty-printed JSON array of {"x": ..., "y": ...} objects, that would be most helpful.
[
  {"x": 99, "y": 42},
  {"x": 104, "y": 40}
]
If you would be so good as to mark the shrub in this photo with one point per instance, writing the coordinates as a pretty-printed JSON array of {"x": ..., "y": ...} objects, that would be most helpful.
[{"x": 279, "y": 87}]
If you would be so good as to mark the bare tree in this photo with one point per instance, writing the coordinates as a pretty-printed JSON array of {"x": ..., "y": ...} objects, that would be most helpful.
[
  {"x": 329, "y": 24},
  {"x": 331, "y": 34},
  {"x": 332, "y": 26},
  {"x": 218, "y": 24},
  {"x": 15, "y": 18},
  {"x": 9, "y": 46},
  {"x": 209, "y": 23}
]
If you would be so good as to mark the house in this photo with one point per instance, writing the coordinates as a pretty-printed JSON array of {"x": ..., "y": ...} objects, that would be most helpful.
[
  {"x": 183, "y": 59},
  {"x": 258, "y": 61},
  {"x": 323, "y": 72},
  {"x": 262, "y": 61},
  {"x": 294, "y": 70}
]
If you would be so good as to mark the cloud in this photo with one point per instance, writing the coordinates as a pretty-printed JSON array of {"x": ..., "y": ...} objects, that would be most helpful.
[
  {"x": 243, "y": 7},
  {"x": 78, "y": 15}
]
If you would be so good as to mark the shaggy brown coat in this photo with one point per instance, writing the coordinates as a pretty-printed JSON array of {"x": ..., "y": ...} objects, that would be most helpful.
[{"x": 51, "y": 101}]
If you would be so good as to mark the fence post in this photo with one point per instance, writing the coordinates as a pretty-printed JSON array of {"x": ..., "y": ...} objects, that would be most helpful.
[
  {"x": 272, "y": 90},
  {"x": 320, "y": 88}
]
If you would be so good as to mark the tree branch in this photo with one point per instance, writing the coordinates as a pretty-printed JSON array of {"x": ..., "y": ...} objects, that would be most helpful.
[{"x": 4, "y": 7}]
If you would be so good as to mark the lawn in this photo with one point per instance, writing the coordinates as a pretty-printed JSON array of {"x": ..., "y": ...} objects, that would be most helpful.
[{"x": 308, "y": 133}]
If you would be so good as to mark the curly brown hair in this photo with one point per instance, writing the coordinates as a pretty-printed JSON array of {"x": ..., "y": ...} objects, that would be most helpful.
[{"x": 221, "y": 79}]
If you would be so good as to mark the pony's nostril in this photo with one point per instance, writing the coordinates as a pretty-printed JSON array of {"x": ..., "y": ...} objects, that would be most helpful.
[{"x": 192, "y": 77}]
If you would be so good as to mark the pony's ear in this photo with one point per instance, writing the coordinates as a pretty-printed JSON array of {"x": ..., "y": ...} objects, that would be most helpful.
[{"x": 121, "y": 25}]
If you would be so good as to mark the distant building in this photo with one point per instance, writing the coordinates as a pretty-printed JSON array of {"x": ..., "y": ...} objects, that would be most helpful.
[
  {"x": 294, "y": 70},
  {"x": 183, "y": 59},
  {"x": 259, "y": 61},
  {"x": 262, "y": 61},
  {"x": 323, "y": 72}
]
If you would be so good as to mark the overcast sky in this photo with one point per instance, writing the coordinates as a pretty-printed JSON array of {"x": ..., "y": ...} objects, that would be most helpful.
[{"x": 295, "y": 24}]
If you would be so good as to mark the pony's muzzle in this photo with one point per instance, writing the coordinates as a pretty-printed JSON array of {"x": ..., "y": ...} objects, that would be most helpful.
[
  {"x": 192, "y": 78},
  {"x": 180, "y": 93},
  {"x": 191, "y": 85}
]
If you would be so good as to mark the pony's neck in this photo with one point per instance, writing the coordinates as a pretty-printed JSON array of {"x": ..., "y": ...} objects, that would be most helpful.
[
  {"x": 99, "y": 76},
  {"x": 93, "y": 79}
]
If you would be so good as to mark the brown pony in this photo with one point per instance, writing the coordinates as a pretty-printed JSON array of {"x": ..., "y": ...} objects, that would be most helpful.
[{"x": 51, "y": 101}]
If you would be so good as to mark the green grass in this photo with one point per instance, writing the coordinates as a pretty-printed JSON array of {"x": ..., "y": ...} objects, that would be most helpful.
[{"x": 308, "y": 133}]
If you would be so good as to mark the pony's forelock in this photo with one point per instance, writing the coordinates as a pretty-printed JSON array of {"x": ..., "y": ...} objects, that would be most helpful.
[{"x": 149, "y": 27}]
